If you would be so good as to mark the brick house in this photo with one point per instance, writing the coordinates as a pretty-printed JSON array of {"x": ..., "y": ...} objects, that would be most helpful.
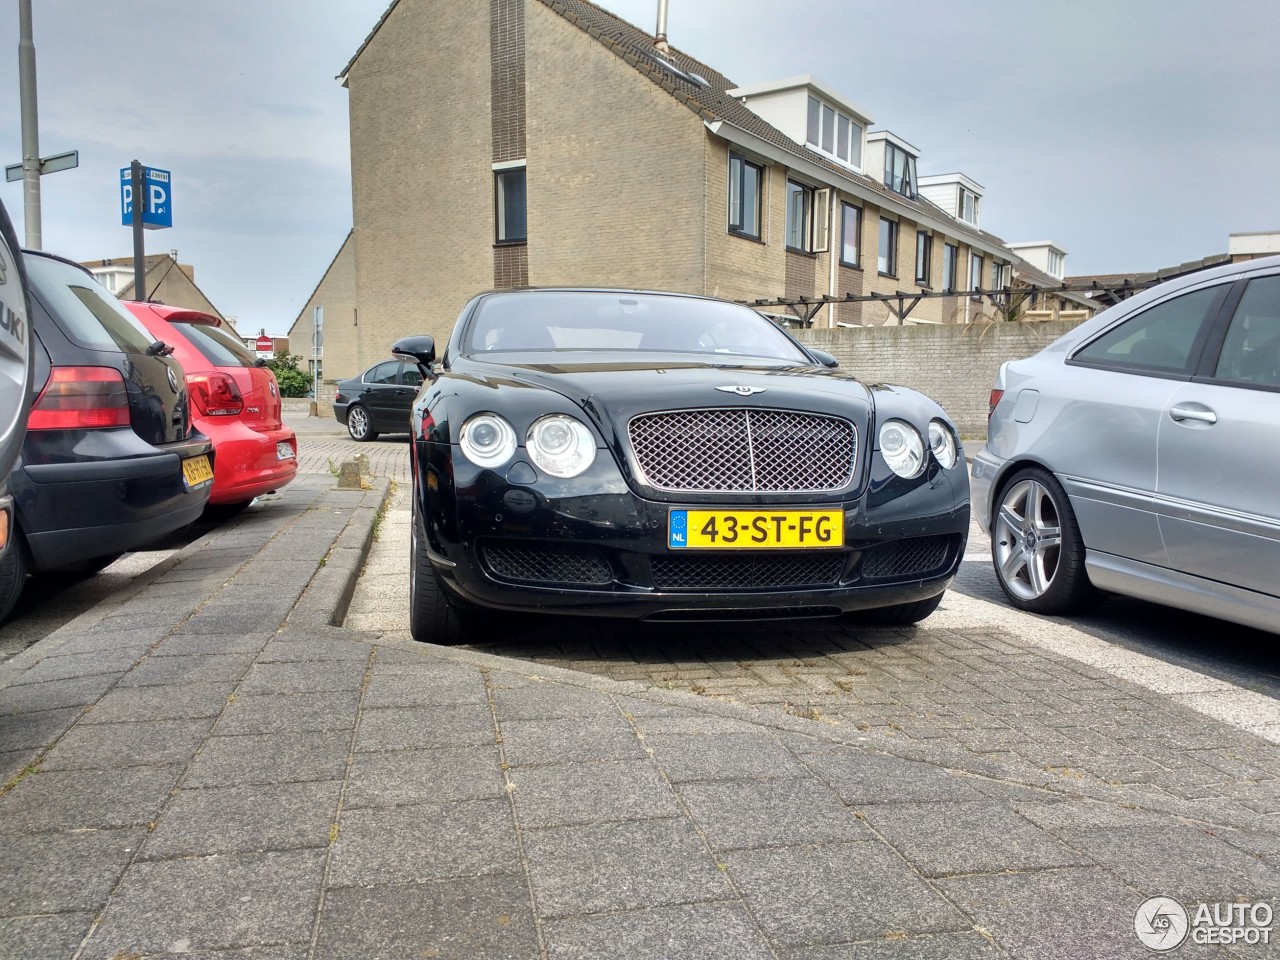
[
  {"x": 167, "y": 280},
  {"x": 547, "y": 142}
]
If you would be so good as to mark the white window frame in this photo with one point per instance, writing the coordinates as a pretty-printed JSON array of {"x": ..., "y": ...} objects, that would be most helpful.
[
  {"x": 829, "y": 130},
  {"x": 975, "y": 260}
]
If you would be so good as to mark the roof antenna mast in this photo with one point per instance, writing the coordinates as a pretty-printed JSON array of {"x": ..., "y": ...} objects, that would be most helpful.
[{"x": 660, "y": 38}]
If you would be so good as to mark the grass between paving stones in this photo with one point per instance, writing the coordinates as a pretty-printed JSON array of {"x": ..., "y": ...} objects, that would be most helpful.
[{"x": 382, "y": 510}]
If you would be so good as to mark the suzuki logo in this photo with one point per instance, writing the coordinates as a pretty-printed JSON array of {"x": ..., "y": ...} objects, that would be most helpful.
[{"x": 741, "y": 390}]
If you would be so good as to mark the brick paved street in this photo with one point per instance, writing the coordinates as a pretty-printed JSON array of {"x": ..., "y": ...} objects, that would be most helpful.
[{"x": 977, "y": 687}]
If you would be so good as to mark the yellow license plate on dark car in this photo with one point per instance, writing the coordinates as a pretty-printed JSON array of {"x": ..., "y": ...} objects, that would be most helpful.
[
  {"x": 755, "y": 529},
  {"x": 197, "y": 471}
]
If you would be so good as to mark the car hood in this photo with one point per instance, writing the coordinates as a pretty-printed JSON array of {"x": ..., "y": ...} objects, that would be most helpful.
[{"x": 612, "y": 388}]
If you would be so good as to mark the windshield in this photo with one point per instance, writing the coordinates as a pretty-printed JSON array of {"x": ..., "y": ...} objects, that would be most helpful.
[{"x": 650, "y": 323}]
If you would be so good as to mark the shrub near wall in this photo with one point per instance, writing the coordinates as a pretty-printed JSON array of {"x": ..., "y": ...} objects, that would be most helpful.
[{"x": 955, "y": 364}]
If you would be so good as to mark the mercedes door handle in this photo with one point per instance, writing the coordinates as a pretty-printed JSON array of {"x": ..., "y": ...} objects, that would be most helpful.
[{"x": 1193, "y": 413}]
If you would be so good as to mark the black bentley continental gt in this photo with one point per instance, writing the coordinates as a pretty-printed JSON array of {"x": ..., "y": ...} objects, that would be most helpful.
[{"x": 668, "y": 458}]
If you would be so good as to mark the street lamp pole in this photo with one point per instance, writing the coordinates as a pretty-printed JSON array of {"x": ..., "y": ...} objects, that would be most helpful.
[{"x": 30, "y": 126}]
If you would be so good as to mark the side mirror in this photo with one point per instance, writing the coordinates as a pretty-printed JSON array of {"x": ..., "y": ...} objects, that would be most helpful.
[
  {"x": 419, "y": 350},
  {"x": 824, "y": 358}
]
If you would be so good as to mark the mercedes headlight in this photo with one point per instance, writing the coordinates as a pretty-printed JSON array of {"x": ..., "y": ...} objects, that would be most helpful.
[
  {"x": 487, "y": 440},
  {"x": 560, "y": 445},
  {"x": 943, "y": 444},
  {"x": 902, "y": 448}
]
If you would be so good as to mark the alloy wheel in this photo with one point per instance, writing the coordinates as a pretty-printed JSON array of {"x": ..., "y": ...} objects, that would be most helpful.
[
  {"x": 1028, "y": 539},
  {"x": 357, "y": 423}
]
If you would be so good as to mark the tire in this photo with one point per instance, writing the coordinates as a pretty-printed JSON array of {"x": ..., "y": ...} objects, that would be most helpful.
[
  {"x": 13, "y": 573},
  {"x": 433, "y": 618},
  {"x": 900, "y": 614},
  {"x": 359, "y": 426},
  {"x": 1036, "y": 546}
]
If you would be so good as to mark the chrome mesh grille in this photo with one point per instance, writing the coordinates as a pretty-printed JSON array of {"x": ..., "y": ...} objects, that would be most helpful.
[
  {"x": 744, "y": 450},
  {"x": 913, "y": 557},
  {"x": 539, "y": 563},
  {"x": 747, "y": 573}
]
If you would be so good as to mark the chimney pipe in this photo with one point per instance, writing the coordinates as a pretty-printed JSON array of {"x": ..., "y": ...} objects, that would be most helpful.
[{"x": 660, "y": 39}]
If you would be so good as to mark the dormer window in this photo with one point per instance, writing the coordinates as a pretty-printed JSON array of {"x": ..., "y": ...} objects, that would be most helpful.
[
  {"x": 834, "y": 132},
  {"x": 1057, "y": 263},
  {"x": 899, "y": 170},
  {"x": 970, "y": 206}
]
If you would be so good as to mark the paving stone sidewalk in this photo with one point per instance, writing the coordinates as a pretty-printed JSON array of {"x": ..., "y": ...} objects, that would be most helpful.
[{"x": 207, "y": 767}]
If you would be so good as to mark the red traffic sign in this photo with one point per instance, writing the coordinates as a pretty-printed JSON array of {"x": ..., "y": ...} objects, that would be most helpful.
[{"x": 266, "y": 345}]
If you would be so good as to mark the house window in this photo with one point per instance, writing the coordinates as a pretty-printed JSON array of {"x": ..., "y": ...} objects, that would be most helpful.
[
  {"x": 509, "y": 194},
  {"x": 850, "y": 233},
  {"x": 950, "y": 257},
  {"x": 888, "y": 262},
  {"x": 834, "y": 133},
  {"x": 745, "y": 179},
  {"x": 899, "y": 170},
  {"x": 975, "y": 272},
  {"x": 1056, "y": 263},
  {"x": 924, "y": 254},
  {"x": 999, "y": 275},
  {"x": 970, "y": 204},
  {"x": 799, "y": 217}
]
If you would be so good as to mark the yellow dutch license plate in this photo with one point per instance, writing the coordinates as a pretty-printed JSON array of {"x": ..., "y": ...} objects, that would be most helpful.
[
  {"x": 755, "y": 529},
  {"x": 197, "y": 471}
]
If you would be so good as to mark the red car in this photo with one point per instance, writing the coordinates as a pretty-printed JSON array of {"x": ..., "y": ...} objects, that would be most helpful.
[{"x": 235, "y": 402}]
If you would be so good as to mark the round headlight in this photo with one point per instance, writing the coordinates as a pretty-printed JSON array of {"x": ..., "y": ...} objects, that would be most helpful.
[
  {"x": 943, "y": 444},
  {"x": 902, "y": 448},
  {"x": 561, "y": 445},
  {"x": 487, "y": 440}
]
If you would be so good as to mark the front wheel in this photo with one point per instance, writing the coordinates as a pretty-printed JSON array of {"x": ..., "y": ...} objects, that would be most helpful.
[
  {"x": 359, "y": 426},
  {"x": 432, "y": 617},
  {"x": 1036, "y": 546}
]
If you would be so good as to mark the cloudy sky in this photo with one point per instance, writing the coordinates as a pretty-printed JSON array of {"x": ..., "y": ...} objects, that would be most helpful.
[{"x": 1136, "y": 134}]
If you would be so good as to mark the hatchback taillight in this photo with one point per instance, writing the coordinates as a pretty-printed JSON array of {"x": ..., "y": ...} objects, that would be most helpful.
[
  {"x": 215, "y": 394},
  {"x": 81, "y": 398}
]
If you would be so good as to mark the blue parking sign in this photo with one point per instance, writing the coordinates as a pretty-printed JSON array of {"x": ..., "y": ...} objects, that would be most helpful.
[{"x": 157, "y": 187}]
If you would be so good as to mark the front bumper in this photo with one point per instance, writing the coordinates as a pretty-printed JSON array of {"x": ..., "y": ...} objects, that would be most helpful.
[{"x": 516, "y": 547}]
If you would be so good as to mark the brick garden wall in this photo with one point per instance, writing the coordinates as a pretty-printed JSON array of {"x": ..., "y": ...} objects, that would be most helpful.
[{"x": 954, "y": 364}]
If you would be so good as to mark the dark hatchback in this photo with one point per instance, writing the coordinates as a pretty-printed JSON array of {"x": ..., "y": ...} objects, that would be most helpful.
[
  {"x": 378, "y": 401},
  {"x": 110, "y": 461}
]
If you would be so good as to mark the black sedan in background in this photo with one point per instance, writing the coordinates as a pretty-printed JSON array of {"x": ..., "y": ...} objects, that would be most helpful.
[
  {"x": 377, "y": 401},
  {"x": 668, "y": 458},
  {"x": 110, "y": 461}
]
